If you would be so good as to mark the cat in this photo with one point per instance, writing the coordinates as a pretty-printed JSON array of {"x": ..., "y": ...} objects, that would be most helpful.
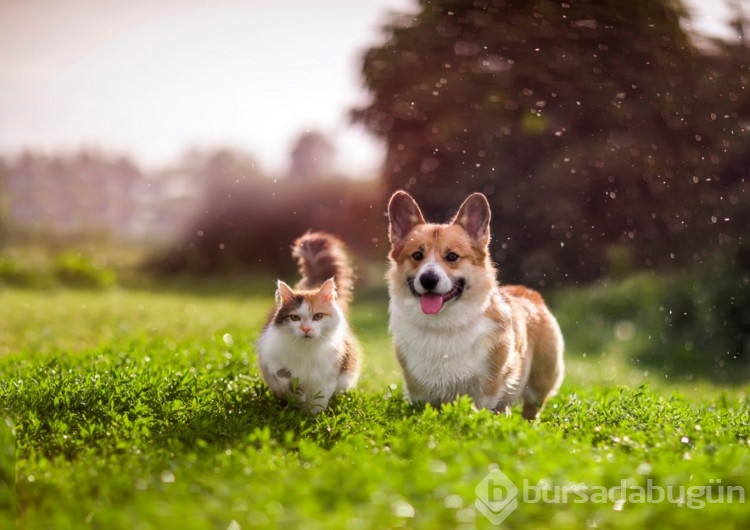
[{"x": 306, "y": 351}]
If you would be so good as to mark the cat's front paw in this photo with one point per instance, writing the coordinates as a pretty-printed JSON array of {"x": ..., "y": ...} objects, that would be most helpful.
[
  {"x": 317, "y": 406},
  {"x": 284, "y": 385}
]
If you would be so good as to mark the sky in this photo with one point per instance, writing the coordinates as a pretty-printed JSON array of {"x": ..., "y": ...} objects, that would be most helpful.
[{"x": 153, "y": 78}]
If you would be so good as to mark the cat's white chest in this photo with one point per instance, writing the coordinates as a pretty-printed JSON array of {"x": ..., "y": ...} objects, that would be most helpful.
[{"x": 312, "y": 362}]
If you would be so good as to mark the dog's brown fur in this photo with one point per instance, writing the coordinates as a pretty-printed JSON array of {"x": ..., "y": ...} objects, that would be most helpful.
[{"x": 496, "y": 344}]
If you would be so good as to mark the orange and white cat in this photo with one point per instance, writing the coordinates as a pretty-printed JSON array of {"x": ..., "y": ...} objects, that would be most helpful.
[
  {"x": 455, "y": 330},
  {"x": 306, "y": 351}
]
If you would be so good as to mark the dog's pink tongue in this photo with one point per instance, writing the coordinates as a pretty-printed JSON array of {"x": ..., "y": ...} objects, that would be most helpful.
[{"x": 431, "y": 303}]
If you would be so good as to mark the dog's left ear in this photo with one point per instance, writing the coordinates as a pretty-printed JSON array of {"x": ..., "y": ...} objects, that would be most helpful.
[{"x": 474, "y": 217}]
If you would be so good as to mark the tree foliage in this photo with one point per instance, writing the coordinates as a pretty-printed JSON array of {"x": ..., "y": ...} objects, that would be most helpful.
[
  {"x": 603, "y": 136},
  {"x": 311, "y": 157}
]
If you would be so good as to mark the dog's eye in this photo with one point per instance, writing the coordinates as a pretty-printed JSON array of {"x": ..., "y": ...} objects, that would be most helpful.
[
  {"x": 417, "y": 256},
  {"x": 452, "y": 256}
]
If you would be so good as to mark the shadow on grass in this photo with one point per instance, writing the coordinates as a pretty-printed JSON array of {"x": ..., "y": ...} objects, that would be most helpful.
[{"x": 262, "y": 419}]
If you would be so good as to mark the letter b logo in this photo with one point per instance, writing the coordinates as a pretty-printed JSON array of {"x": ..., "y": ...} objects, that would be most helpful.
[{"x": 496, "y": 496}]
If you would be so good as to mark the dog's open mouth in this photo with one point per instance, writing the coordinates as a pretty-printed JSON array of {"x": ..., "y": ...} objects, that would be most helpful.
[{"x": 432, "y": 303}]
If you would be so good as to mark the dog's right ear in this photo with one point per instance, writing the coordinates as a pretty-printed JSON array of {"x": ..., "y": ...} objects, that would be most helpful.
[{"x": 403, "y": 215}]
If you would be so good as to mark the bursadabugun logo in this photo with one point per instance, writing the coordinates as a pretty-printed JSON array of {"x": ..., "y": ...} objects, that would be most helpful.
[{"x": 496, "y": 496}]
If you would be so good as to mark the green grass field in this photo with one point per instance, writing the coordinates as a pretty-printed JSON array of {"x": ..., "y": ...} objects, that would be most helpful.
[{"x": 143, "y": 409}]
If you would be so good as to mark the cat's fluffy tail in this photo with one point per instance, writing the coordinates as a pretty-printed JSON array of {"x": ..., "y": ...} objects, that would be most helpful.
[{"x": 321, "y": 256}]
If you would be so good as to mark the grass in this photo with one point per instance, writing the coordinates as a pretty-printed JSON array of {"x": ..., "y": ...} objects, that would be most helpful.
[{"x": 143, "y": 409}]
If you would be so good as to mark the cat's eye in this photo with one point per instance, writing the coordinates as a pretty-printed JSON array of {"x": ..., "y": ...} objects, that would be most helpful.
[
  {"x": 417, "y": 256},
  {"x": 317, "y": 316},
  {"x": 294, "y": 318},
  {"x": 452, "y": 256}
]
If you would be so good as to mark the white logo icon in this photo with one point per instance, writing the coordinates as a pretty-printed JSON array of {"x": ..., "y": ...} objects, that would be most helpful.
[{"x": 496, "y": 497}]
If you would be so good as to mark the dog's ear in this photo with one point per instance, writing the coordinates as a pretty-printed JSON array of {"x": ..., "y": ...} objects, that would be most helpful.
[
  {"x": 403, "y": 215},
  {"x": 474, "y": 217}
]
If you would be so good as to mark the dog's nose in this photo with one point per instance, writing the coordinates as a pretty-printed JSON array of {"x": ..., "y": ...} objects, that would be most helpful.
[{"x": 429, "y": 280}]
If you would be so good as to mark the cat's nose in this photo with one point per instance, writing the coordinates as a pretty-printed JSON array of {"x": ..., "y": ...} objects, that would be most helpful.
[{"x": 305, "y": 329}]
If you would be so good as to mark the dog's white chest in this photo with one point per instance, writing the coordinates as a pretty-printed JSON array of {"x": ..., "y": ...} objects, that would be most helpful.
[{"x": 445, "y": 362}]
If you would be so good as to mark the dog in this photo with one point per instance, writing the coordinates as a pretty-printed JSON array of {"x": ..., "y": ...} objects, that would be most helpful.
[{"x": 456, "y": 331}]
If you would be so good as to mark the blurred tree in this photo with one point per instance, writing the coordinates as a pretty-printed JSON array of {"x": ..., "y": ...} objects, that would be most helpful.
[
  {"x": 219, "y": 171},
  {"x": 583, "y": 121},
  {"x": 226, "y": 179},
  {"x": 739, "y": 21},
  {"x": 252, "y": 229},
  {"x": 247, "y": 221},
  {"x": 311, "y": 157},
  {"x": 724, "y": 179},
  {"x": 4, "y": 201},
  {"x": 75, "y": 196}
]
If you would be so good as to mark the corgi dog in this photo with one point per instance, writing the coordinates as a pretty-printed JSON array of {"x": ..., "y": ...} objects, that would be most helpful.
[{"x": 455, "y": 330}]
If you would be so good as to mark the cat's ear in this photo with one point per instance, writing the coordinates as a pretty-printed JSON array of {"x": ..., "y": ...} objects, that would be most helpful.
[
  {"x": 284, "y": 293},
  {"x": 328, "y": 290}
]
